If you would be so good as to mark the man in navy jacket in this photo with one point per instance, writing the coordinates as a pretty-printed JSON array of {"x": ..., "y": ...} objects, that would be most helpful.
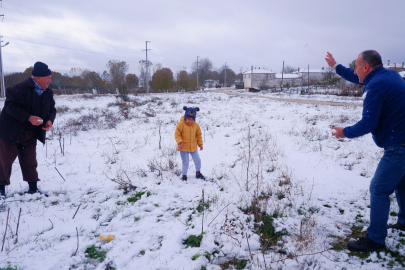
[{"x": 384, "y": 116}]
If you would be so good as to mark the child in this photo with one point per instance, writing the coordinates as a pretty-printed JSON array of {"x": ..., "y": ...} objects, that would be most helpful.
[{"x": 188, "y": 136}]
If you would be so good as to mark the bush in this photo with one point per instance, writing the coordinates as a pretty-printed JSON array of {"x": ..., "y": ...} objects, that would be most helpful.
[
  {"x": 96, "y": 253},
  {"x": 193, "y": 241}
]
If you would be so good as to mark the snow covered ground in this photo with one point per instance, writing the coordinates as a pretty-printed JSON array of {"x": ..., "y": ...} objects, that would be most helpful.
[{"x": 281, "y": 192}]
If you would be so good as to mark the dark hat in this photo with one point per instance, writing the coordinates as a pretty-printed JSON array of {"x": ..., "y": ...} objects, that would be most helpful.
[
  {"x": 41, "y": 70},
  {"x": 190, "y": 112}
]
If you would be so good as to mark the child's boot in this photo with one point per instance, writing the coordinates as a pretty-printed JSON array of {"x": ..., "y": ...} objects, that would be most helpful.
[
  {"x": 198, "y": 175},
  {"x": 184, "y": 178}
]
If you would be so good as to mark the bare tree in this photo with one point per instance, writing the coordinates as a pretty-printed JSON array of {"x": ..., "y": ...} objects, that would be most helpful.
[
  {"x": 289, "y": 69},
  {"x": 117, "y": 71},
  {"x": 204, "y": 69}
]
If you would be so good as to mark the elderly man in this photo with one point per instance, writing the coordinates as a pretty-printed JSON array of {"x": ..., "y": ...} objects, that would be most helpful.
[
  {"x": 383, "y": 116},
  {"x": 28, "y": 112}
]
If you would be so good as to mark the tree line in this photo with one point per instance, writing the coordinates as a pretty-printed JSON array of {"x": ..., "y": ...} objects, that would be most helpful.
[{"x": 116, "y": 79}]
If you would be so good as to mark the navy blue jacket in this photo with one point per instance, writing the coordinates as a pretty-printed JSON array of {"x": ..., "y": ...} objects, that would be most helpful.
[
  {"x": 383, "y": 106},
  {"x": 19, "y": 106}
]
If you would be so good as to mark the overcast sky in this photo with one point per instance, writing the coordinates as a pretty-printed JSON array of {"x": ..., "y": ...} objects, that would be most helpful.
[{"x": 88, "y": 33}]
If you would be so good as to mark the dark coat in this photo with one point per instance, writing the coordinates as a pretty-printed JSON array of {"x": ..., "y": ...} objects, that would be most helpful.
[
  {"x": 383, "y": 106},
  {"x": 18, "y": 107}
]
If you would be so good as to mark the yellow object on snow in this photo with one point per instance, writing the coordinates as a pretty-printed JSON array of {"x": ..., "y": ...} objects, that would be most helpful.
[{"x": 107, "y": 237}]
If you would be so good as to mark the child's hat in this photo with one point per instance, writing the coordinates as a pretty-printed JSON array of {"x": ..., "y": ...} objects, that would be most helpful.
[{"x": 190, "y": 112}]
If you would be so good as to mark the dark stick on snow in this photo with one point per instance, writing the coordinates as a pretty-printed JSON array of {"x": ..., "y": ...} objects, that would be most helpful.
[
  {"x": 60, "y": 142},
  {"x": 5, "y": 231},
  {"x": 202, "y": 221},
  {"x": 219, "y": 213},
  {"x": 77, "y": 210},
  {"x": 60, "y": 174},
  {"x": 77, "y": 233},
  {"x": 18, "y": 225},
  {"x": 51, "y": 223}
]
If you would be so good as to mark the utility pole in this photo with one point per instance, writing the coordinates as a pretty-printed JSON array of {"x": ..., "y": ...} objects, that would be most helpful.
[
  {"x": 308, "y": 76},
  {"x": 282, "y": 77},
  {"x": 197, "y": 73},
  {"x": 2, "y": 86},
  {"x": 147, "y": 68},
  {"x": 225, "y": 76}
]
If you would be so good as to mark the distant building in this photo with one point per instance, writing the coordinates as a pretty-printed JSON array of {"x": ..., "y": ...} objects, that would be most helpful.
[
  {"x": 313, "y": 73},
  {"x": 257, "y": 77},
  {"x": 395, "y": 66},
  {"x": 210, "y": 83},
  {"x": 292, "y": 79}
]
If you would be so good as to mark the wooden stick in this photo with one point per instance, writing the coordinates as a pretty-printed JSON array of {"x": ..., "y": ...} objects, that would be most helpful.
[
  {"x": 77, "y": 210},
  {"x": 5, "y": 231},
  {"x": 18, "y": 225},
  {"x": 219, "y": 213},
  {"x": 202, "y": 220},
  {"x": 51, "y": 223},
  {"x": 77, "y": 233},
  {"x": 60, "y": 174}
]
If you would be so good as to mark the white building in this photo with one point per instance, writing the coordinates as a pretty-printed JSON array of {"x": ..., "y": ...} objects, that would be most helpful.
[
  {"x": 395, "y": 66},
  {"x": 257, "y": 77},
  {"x": 313, "y": 73},
  {"x": 210, "y": 83}
]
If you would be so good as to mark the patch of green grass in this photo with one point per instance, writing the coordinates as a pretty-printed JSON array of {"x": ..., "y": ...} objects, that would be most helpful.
[
  {"x": 327, "y": 205},
  {"x": 193, "y": 241},
  {"x": 121, "y": 203},
  {"x": 142, "y": 252},
  {"x": 196, "y": 256},
  {"x": 313, "y": 209},
  {"x": 341, "y": 211},
  {"x": 55, "y": 203},
  {"x": 238, "y": 264},
  {"x": 280, "y": 196},
  {"x": 137, "y": 218},
  {"x": 96, "y": 253},
  {"x": 9, "y": 267},
  {"x": 137, "y": 196},
  {"x": 397, "y": 258},
  {"x": 202, "y": 206},
  {"x": 338, "y": 247},
  {"x": 393, "y": 214}
]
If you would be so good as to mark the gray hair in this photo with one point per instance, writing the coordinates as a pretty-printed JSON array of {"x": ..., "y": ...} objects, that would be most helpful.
[{"x": 373, "y": 58}]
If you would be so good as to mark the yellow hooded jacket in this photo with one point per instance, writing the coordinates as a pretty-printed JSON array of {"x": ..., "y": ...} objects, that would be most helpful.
[{"x": 191, "y": 136}]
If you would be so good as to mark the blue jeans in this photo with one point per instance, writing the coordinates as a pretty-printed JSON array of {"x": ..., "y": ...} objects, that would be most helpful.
[
  {"x": 388, "y": 178},
  {"x": 185, "y": 158}
]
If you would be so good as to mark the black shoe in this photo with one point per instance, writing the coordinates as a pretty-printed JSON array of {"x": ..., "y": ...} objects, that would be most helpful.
[
  {"x": 184, "y": 178},
  {"x": 33, "y": 188},
  {"x": 365, "y": 244},
  {"x": 2, "y": 191},
  {"x": 397, "y": 226},
  {"x": 199, "y": 176}
]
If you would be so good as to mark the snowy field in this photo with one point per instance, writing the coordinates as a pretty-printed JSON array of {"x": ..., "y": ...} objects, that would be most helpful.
[{"x": 281, "y": 192}]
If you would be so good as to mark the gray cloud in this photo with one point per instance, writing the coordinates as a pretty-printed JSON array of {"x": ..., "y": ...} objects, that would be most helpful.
[{"x": 88, "y": 33}]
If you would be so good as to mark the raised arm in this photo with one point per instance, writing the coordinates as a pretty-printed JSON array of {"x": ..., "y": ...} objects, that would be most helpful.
[{"x": 346, "y": 73}]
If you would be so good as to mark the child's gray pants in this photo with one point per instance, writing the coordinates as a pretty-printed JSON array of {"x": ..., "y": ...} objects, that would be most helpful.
[{"x": 185, "y": 158}]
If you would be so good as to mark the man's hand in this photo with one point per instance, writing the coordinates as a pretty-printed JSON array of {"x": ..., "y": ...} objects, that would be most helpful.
[
  {"x": 330, "y": 60},
  {"x": 201, "y": 148},
  {"x": 338, "y": 132},
  {"x": 181, "y": 145},
  {"x": 35, "y": 120},
  {"x": 48, "y": 125}
]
